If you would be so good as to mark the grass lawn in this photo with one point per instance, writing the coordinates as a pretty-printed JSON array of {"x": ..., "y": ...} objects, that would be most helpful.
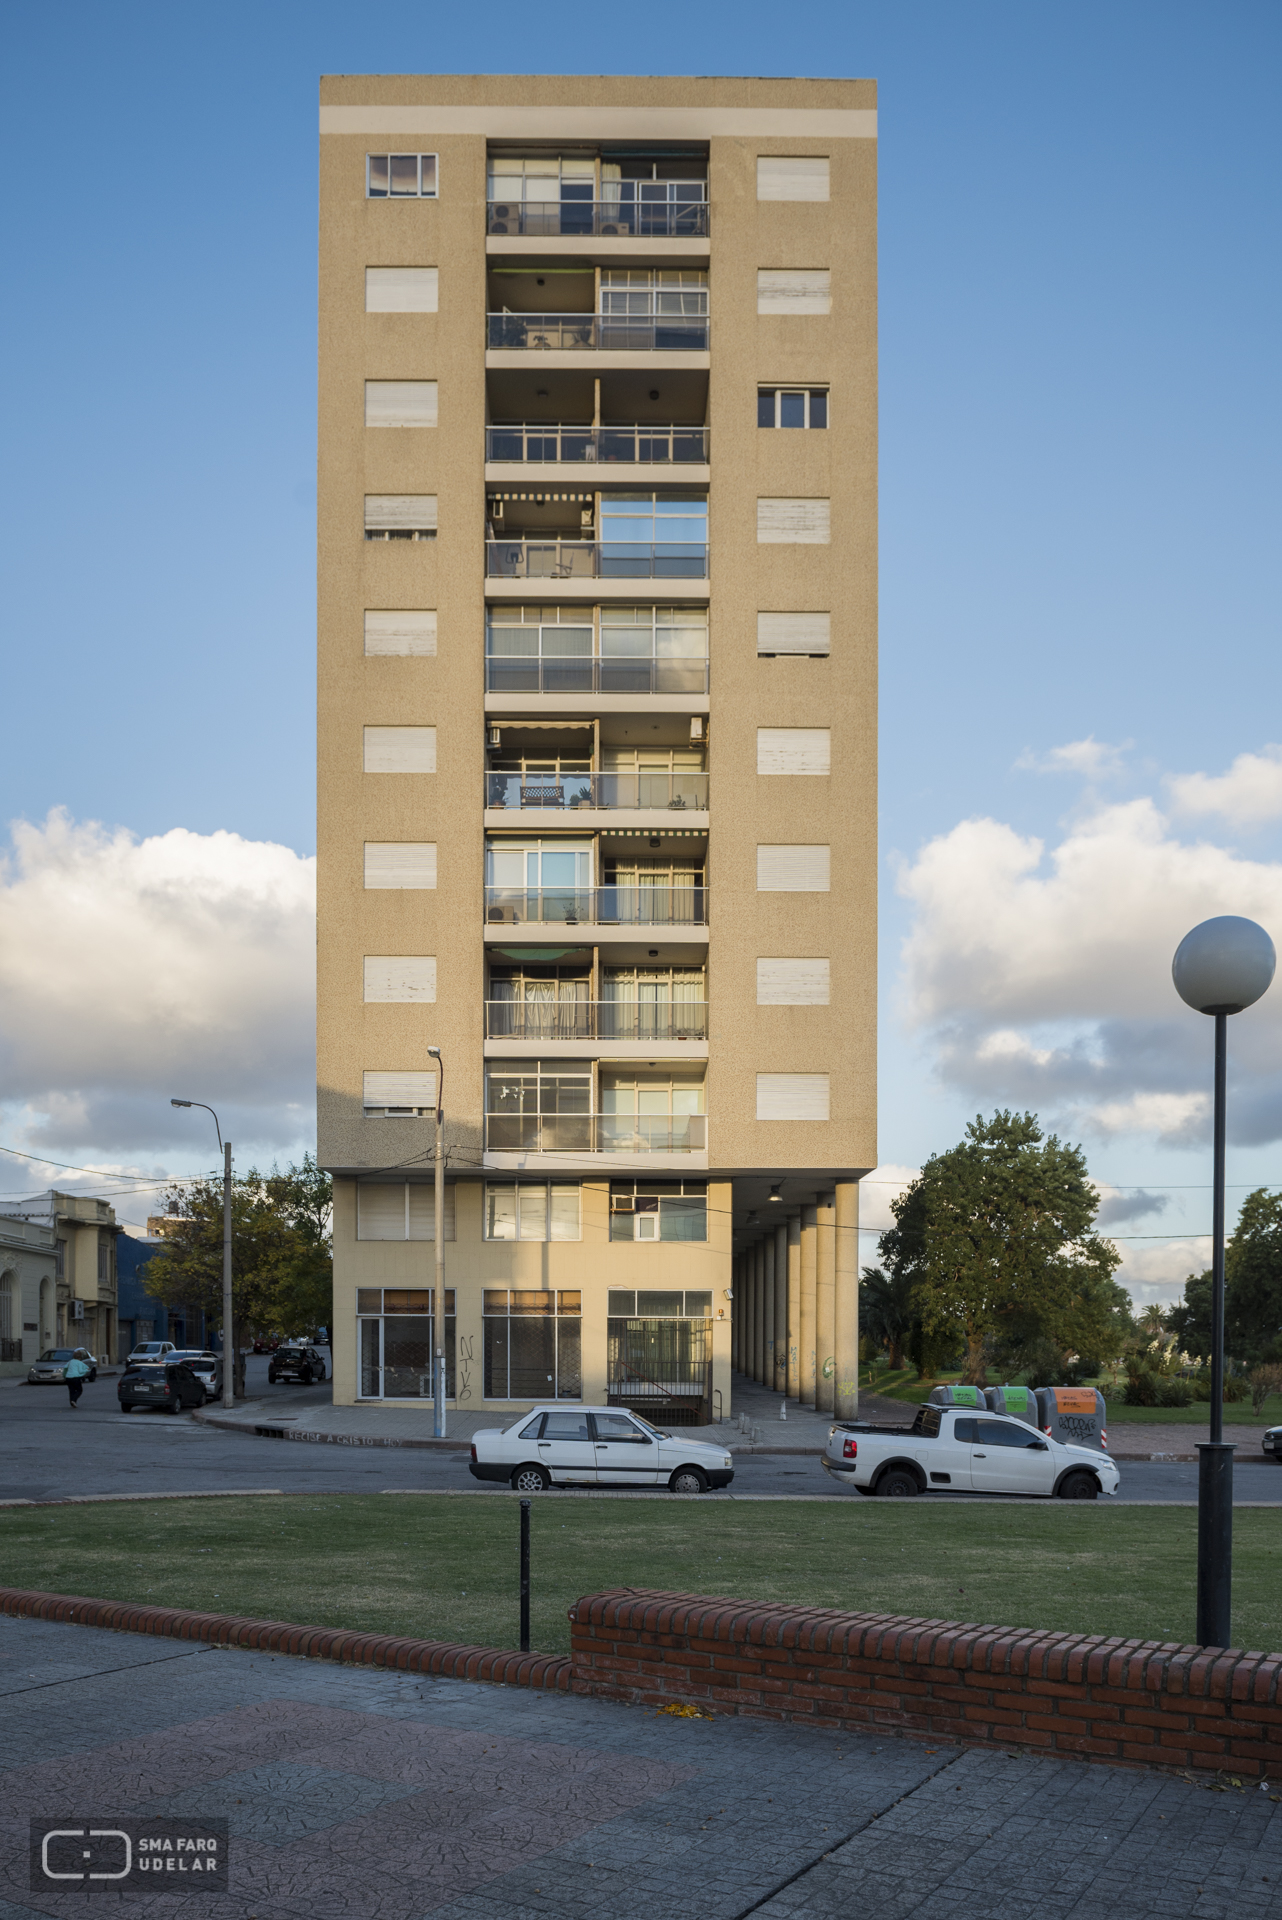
[{"x": 445, "y": 1567}]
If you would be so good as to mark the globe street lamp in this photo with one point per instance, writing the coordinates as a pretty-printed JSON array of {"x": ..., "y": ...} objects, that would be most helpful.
[{"x": 1220, "y": 968}]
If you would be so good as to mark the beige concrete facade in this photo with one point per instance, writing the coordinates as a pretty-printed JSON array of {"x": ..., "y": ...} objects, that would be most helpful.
[
  {"x": 750, "y": 1058},
  {"x": 81, "y": 1309}
]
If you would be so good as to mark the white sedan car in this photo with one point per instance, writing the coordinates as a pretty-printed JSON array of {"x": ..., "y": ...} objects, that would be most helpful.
[{"x": 595, "y": 1446}]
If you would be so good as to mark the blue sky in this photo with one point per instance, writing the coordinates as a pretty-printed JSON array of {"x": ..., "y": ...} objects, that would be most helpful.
[{"x": 1080, "y": 433}]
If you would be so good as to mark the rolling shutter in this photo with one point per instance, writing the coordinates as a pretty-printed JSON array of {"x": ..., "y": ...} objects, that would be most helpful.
[
  {"x": 400, "y": 513},
  {"x": 400, "y": 977},
  {"x": 400, "y": 863},
  {"x": 400, "y": 403},
  {"x": 780, "y": 177},
  {"x": 794, "y": 750},
  {"x": 792, "y": 1096},
  {"x": 805, "y": 290},
  {"x": 809, "y": 633},
  {"x": 399, "y": 1093},
  {"x": 400, "y": 1210},
  {"x": 422, "y": 1211},
  {"x": 792, "y": 983},
  {"x": 793, "y": 869},
  {"x": 793, "y": 522},
  {"x": 400, "y": 750},
  {"x": 400, "y": 631},
  {"x": 401, "y": 289}
]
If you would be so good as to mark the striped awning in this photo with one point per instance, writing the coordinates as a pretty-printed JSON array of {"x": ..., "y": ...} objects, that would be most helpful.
[{"x": 540, "y": 498}]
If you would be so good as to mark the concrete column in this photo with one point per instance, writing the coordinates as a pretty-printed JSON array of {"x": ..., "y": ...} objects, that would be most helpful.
[
  {"x": 825, "y": 1303},
  {"x": 846, "y": 1307},
  {"x": 793, "y": 1231},
  {"x": 809, "y": 1236},
  {"x": 768, "y": 1310},
  {"x": 758, "y": 1314},
  {"x": 736, "y": 1308},
  {"x": 781, "y": 1307}
]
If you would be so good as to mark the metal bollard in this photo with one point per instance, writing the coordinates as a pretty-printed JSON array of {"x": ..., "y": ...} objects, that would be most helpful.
[{"x": 525, "y": 1576}]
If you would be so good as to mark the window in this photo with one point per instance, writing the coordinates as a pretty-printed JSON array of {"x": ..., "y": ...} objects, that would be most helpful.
[
  {"x": 671, "y": 526},
  {"x": 659, "y": 1353},
  {"x": 792, "y": 406},
  {"x": 624, "y": 1304},
  {"x": 401, "y": 289},
  {"x": 104, "y": 1261},
  {"x": 538, "y": 1106},
  {"x": 401, "y": 1210},
  {"x": 400, "y": 631},
  {"x": 531, "y": 1210},
  {"x": 400, "y": 750},
  {"x": 538, "y": 879},
  {"x": 793, "y": 869},
  {"x": 786, "y": 292},
  {"x": 400, "y": 403},
  {"x": 533, "y": 1348},
  {"x": 788, "y": 750},
  {"x": 400, "y": 977},
  {"x": 792, "y": 1096},
  {"x": 397, "y": 1337},
  {"x": 794, "y": 633},
  {"x": 792, "y": 983},
  {"x": 542, "y": 179},
  {"x": 783, "y": 177},
  {"x": 653, "y": 293},
  {"x": 663, "y": 1210},
  {"x": 793, "y": 522},
  {"x": 398, "y": 1096},
  {"x": 400, "y": 516},
  {"x": 666, "y": 633},
  {"x": 652, "y": 1109},
  {"x": 400, "y": 864},
  {"x": 401, "y": 176}
]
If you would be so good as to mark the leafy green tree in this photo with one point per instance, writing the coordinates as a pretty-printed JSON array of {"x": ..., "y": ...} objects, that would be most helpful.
[
  {"x": 282, "y": 1259},
  {"x": 1253, "y": 1280},
  {"x": 998, "y": 1236},
  {"x": 1190, "y": 1319},
  {"x": 885, "y": 1311}
]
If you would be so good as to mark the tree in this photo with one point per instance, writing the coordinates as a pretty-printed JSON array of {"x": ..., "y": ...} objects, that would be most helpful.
[
  {"x": 885, "y": 1311},
  {"x": 1189, "y": 1320},
  {"x": 997, "y": 1234},
  {"x": 282, "y": 1262},
  {"x": 1253, "y": 1280}
]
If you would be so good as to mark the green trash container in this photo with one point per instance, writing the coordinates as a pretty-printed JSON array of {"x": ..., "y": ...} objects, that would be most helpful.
[
  {"x": 958, "y": 1397},
  {"x": 1021, "y": 1402}
]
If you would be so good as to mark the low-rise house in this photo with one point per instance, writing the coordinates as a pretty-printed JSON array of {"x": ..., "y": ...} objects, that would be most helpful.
[{"x": 28, "y": 1293}]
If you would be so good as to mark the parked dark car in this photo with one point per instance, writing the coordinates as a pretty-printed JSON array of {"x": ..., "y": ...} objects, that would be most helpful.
[
  {"x": 267, "y": 1343},
  {"x": 172, "y": 1387},
  {"x": 296, "y": 1363},
  {"x": 1272, "y": 1443}
]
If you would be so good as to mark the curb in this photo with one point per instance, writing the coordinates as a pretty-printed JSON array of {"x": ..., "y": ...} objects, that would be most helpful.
[{"x": 268, "y": 1429}]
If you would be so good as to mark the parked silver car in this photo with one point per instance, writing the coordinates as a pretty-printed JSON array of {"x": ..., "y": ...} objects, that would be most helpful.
[
  {"x": 51, "y": 1368},
  {"x": 151, "y": 1353}
]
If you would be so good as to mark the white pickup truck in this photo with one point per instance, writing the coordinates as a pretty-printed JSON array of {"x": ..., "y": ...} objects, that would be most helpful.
[{"x": 958, "y": 1450}]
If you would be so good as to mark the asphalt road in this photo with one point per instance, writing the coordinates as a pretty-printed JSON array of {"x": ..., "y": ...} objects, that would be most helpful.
[{"x": 47, "y": 1452}]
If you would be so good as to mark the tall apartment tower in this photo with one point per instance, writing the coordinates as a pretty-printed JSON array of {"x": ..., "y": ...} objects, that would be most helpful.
[{"x": 597, "y": 758}]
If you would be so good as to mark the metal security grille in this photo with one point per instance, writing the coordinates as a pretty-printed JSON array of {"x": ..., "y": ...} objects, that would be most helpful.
[{"x": 662, "y": 1368}]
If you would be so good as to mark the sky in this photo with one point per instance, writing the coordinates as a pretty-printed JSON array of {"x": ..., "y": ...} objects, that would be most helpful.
[{"x": 1080, "y": 557}]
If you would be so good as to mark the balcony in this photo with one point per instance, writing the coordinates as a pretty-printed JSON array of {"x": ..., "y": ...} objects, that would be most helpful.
[
  {"x": 545, "y": 1021},
  {"x": 577, "y": 674},
  {"x": 594, "y": 332},
  {"x": 626, "y": 906},
  {"x": 624, "y": 792},
  {"x": 595, "y": 560},
  {"x": 682, "y": 217},
  {"x": 595, "y": 1133},
  {"x": 536, "y": 445}
]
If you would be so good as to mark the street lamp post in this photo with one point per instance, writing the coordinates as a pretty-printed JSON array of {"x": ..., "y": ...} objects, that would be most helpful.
[
  {"x": 438, "y": 1298},
  {"x": 1221, "y": 967},
  {"x": 229, "y": 1350}
]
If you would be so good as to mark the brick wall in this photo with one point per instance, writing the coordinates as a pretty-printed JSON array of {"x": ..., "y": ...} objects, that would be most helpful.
[{"x": 1138, "y": 1701}]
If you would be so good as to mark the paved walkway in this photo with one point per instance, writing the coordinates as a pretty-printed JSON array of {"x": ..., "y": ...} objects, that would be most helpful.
[{"x": 353, "y": 1794}]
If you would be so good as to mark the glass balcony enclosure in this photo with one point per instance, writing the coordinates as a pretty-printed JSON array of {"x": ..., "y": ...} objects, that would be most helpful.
[
  {"x": 661, "y": 1003},
  {"x": 654, "y": 535},
  {"x": 547, "y": 1106},
  {"x": 643, "y": 309},
  {"x": 579, "y": 194},
  {"x": 536, "y": 649},
  {"x": 607, "y": 906},
  {"x": 560, "y": 445}
]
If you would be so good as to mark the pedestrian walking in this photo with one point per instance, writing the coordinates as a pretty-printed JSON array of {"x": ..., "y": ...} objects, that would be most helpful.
[{"x": 75, "y": 1375}]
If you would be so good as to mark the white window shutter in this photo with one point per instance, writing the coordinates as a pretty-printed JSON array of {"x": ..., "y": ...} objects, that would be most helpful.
[
  {"x": 413, "y": 1093},
  {"x": 792, "y": 1096},
  {"x": 380, "y": 1210},
  {"x": 400, "y": 513},
  {"x": 794, "y": 290},
  {"x": 792, "y": 983},
  {"x": 793, "y": 522},
  {"x": 422, "y": 1210},
  {"x": 401, "y": 631},
  {"x": 809, "y": 633},
  {"x": 794, "y": 869},
  {"x": 782, "y": 177},
  {"x": 400, "y": 403},
  {"x": 794, "y": 750},
  {"x": 401, "y": 289},
  {"x": 400, "y": 977},
  {"x": 400, "y": 750},
  {"x": 400, "y": 863},
  {"x": 564, "y": 1214}
]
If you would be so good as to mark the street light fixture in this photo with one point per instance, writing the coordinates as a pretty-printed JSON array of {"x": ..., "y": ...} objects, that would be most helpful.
[
  {"x": 438, "y": 1298},
  {"x": 1221, "y": 967},
  {"x": 229, "y": 1347}
]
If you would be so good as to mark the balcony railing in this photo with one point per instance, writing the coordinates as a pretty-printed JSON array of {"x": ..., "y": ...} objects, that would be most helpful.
[
  {"x": 652, "y": 219},
  {"x": 589, "y": 332},
  {"x": 678, "y": 792},
  {"x": 597, "y": 906},
  {"x": 595, "y": 1133},
  {"x": 585, "y": 675},
  {"x": 598, "y": 446},
  {"x": 596, "y": 1020},
  {"x": 595, "y": 560}
]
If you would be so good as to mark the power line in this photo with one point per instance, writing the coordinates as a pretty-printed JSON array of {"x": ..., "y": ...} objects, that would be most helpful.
[{"x": 103, "y": 1173}]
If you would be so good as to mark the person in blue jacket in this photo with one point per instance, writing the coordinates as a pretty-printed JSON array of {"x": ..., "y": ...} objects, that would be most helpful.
[{"x": 75, "y": 1374}]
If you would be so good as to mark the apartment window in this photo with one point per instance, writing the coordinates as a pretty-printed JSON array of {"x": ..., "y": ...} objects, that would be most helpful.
[
  {"x": 532, "y": 1210},
  {"x": 664, "y": 1303},
  {"x": 792, "y": 406},
  {"x": 793, "y": 983},
  {"x": 657, "y": 1211},
  {"x": 400, "y": 176},
  {"x": 792, "y": 1096},
  {"x": 399, "y": 750},
  {"x": 652, "y": 1110},
  {"x": 804, "y": 523},
  {"x": 794, "y": 869},
  {"x": 59, "y": 1259},
  {"x": 398, "y": 864},
  {"x": 402, "y": 978},
  {"x": 794, "y": 633},
  {"x": 401, "y": 289},
  {"x": 533, "y": 1344},
  {"x": 789, "y": 290},
  {"x": 538, "y": 1106},
  {"x": 788, "y": 177},
  {"x": 397, "y": 1336},
  {"x": 794, "y": 750},
  {"x": 400, "y": 516},
  {"x": 400, "y": 632},
  {"x": 654, "y": 293},
  {"x": 104, "y": 1261},
  {"x": 541, "y": 180},
  {"x": 400, "y": 403},
  {"x": 401, "y": 1210},
  {"x": 398, "y": 1096}
]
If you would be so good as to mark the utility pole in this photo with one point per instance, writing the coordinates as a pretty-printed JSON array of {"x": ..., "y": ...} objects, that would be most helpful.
[
  {"x": 438, "y": 1297},
  {"x": 229, "y": 1343}
]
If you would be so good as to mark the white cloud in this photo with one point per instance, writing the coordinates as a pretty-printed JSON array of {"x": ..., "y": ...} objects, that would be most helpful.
[
  {"x": 876, "y": 1192},
  {"x": 1090, "y": 759},
  {"x": 132, "y": 969},
  {"x": 1248, "y": 795},
  {"x": 1157, "y": 1271}
]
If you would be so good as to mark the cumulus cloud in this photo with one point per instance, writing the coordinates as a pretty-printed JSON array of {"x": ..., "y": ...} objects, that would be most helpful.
[
  {"x": 134, "y": 969},
  {"x": 882, "y": 1185},
  {"x": 1248, "y": 795},
  {"x": 1089, "y": 759},
  {"x": 1132, "y": 1203},
  {"x": 1156, "y": 1273},
  {"x": 1042, "y": 976}
]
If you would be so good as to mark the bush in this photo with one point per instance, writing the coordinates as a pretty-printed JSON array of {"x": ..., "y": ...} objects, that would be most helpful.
[
  {"x": 1142, "y": 1388},
  {"x": 1174, "y": 1393},
  {"x": 1264, "y": 1381}
]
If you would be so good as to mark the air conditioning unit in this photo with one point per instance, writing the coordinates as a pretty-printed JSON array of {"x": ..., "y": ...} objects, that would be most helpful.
[
  {"x": 622, "y": 1203},
  {"x": 77, "y": 1309}
]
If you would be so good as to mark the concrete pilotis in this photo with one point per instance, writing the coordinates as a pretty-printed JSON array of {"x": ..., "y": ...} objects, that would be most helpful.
[
  {"x": 794, "y": 1307},
  {"x": 809, "y": 1235},
  {"x": 768, "y": 1311},
  {"x": 846, "y": 1302},
  {"x": 781, "y": 1307},
  {"x": 825, "y": 1302}
]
